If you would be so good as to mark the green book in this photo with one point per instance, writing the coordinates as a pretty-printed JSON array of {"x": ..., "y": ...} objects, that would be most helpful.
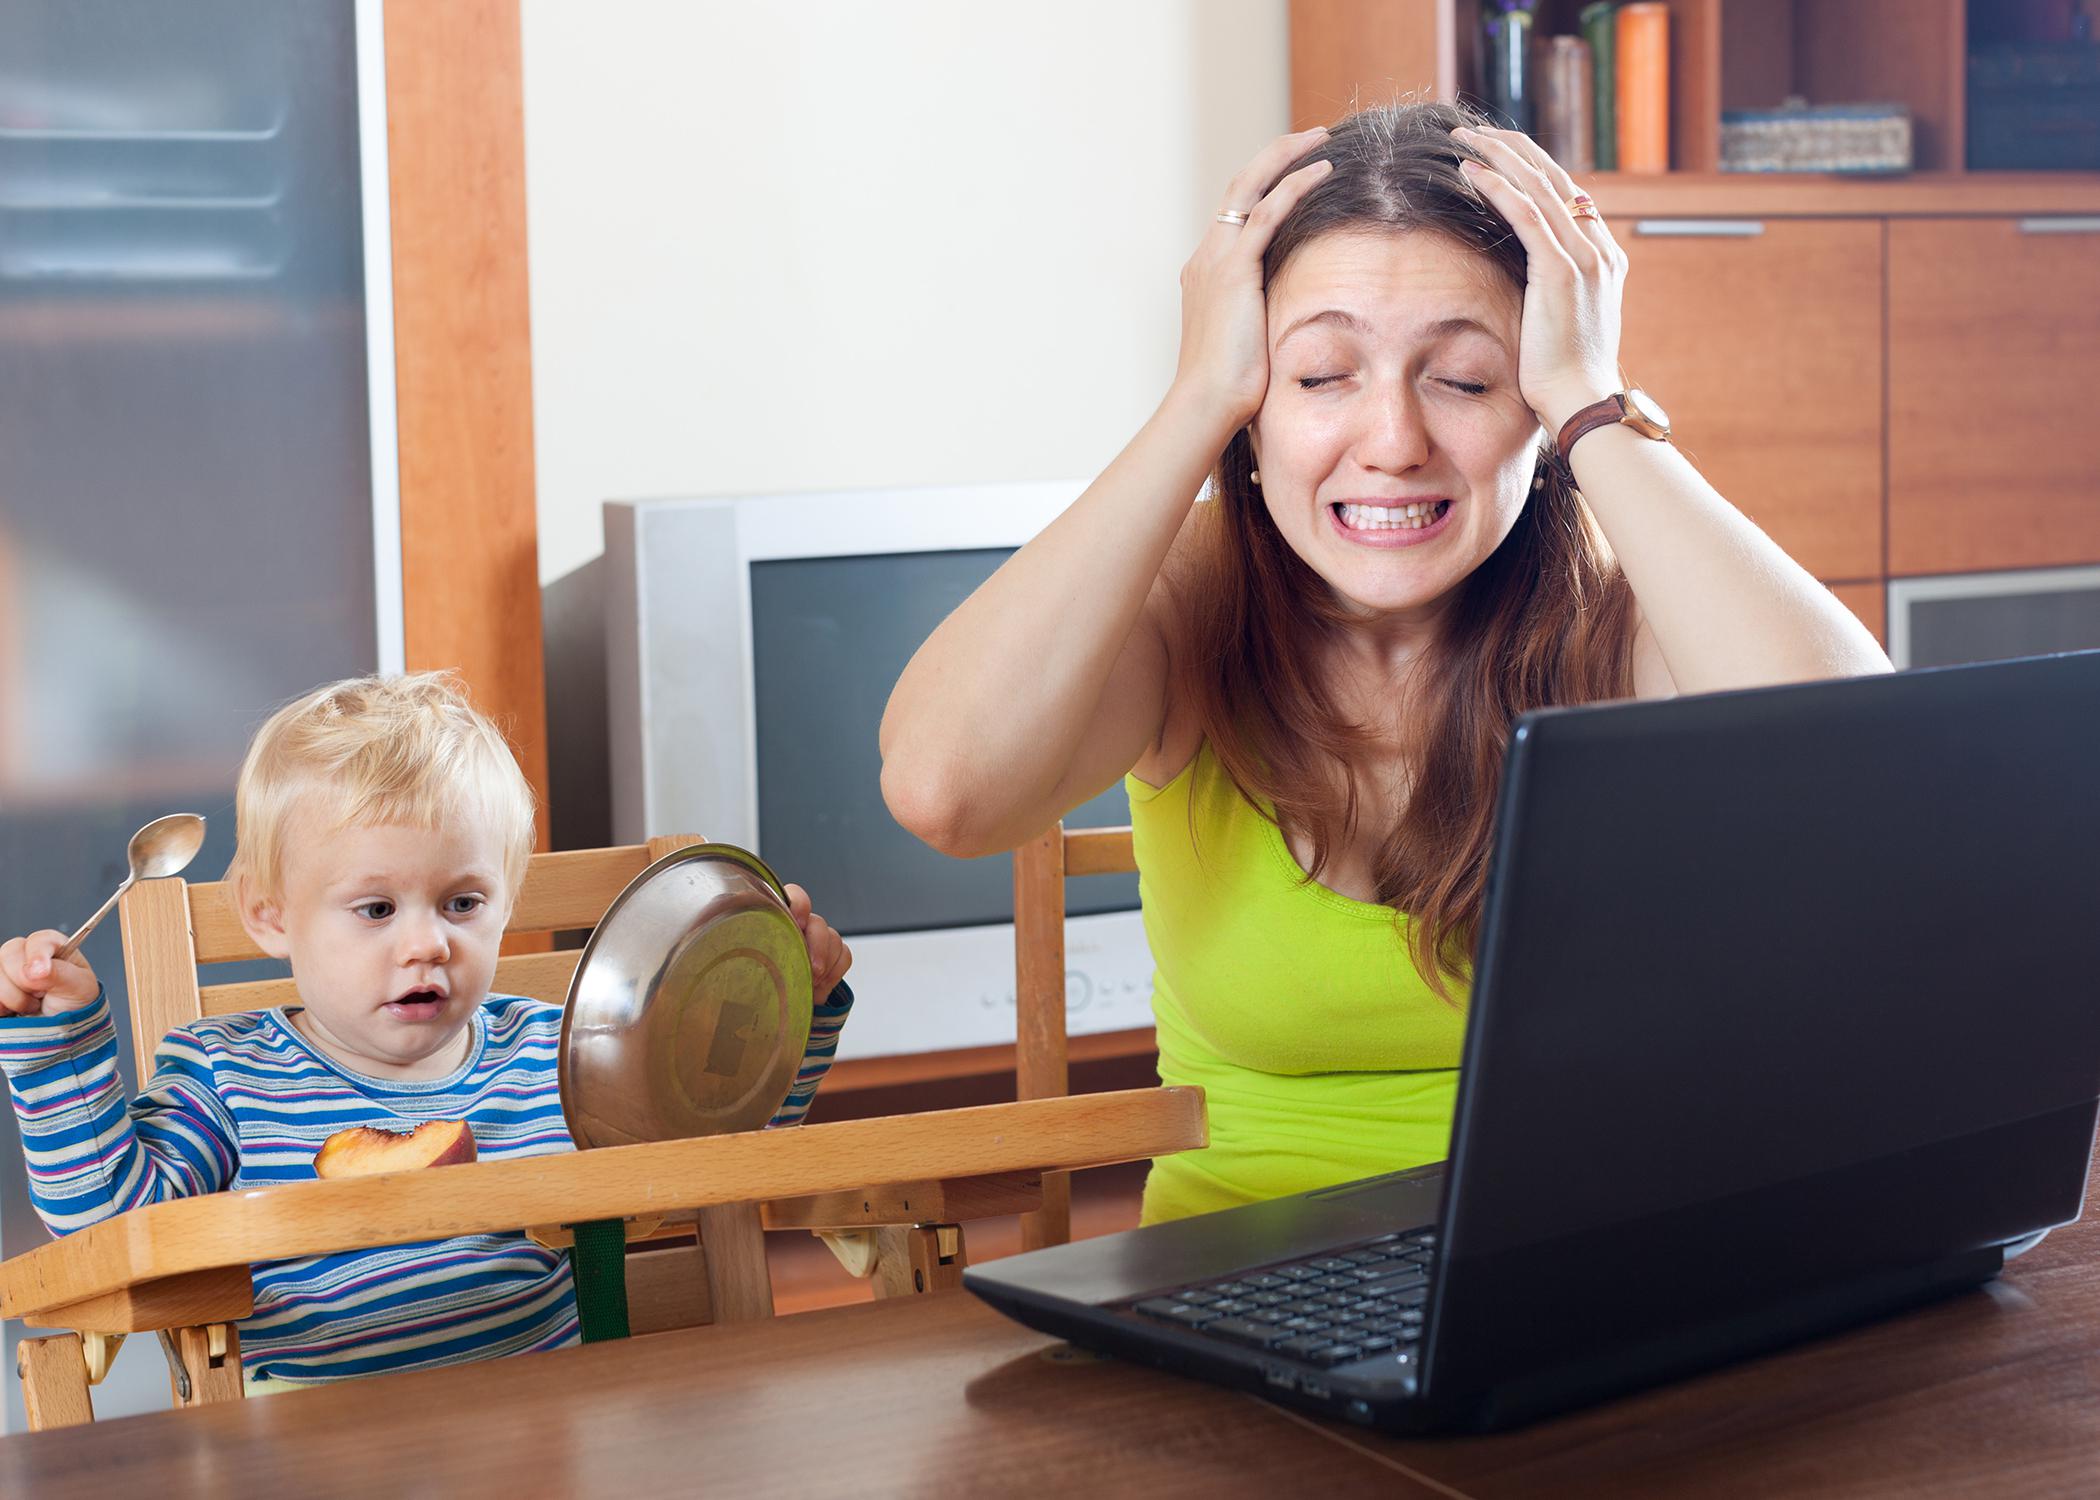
[{"x": 1600, "y": 28}]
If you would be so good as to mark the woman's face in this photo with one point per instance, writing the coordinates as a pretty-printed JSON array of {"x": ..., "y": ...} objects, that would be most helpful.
[{"x": 1394, "y": 449}]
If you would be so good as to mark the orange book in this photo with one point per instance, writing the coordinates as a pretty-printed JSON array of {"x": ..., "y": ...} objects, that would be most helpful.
[{"x": 1644, "y": 87}]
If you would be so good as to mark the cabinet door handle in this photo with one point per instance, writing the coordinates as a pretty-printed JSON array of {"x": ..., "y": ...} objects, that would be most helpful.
[
  {"x": 2086, "y": 224},
  {"x": 1719, "y": 229}
]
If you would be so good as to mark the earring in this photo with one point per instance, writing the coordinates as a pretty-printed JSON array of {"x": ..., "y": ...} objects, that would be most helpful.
[
  {"x": 1255, "y": 475},
  {"x": 1538, "y": 482}
]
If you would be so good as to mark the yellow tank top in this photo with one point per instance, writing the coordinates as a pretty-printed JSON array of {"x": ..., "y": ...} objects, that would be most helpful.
[{"x": 1324, "y": 1054}]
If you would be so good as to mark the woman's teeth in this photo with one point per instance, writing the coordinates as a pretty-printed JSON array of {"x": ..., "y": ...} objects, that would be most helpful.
[{"x": 1391, "y": 517}]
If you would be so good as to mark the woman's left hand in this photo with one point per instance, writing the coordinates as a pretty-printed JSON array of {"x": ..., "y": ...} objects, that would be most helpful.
[
  {"x": 1575, "y": 277},
  {"x": 829, "y": 957}
]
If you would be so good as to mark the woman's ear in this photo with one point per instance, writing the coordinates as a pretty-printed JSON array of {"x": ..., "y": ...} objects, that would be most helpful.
[{"x": 263, "y": 921}]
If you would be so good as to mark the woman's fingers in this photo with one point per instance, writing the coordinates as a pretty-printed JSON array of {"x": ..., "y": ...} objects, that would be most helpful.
[
  {"x": 1268, "y": 166},
  {"x": 1547, "y": 180},
  {"x": 1522, "y": 211},
  {"x": 1255, "y": 184},
  {"x": 1281, "y": 199},
  {"x": 1524, "y": 174}
]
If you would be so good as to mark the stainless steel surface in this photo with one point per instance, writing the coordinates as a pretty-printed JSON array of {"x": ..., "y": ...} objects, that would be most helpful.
[
  {"x": 163, "y": 847},
  {"x": 691, "y": 1005}
]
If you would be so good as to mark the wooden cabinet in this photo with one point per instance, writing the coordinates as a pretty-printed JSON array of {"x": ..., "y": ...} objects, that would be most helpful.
[
  {"x": 1994, "y": 440},
  {"x": 1763, "y": 340}
]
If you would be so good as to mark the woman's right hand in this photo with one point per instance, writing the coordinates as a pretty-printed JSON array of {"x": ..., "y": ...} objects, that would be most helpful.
[
  {"x": 33, "y": 983},
  {"x": 1224, "y": 318}
]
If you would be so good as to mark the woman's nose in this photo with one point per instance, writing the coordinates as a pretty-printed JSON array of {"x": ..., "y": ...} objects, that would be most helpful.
[{"x": 1395, "y": 438}]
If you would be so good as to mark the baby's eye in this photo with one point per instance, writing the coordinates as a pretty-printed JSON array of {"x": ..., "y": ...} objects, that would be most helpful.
[
  {"x": 461, "y": 906},
  {"x": 375, "y": 911}
]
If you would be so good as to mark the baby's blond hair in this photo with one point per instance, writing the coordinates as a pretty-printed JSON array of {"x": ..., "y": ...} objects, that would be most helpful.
[{"x": 410, "y": 751}]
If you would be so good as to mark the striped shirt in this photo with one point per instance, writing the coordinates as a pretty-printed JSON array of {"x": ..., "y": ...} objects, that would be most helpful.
[{"x": 244, "y": 1101}]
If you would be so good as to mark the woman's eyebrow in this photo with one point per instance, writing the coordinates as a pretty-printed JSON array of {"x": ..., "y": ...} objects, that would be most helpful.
[
  {"x": 1342, "y": 318},
  {"x": 1339, "y": 317},
  {"x": 1445, "y": 327}
]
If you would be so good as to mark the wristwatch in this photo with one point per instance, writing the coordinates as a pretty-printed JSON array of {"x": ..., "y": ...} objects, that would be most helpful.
[{"x": 1635, "y": 408}]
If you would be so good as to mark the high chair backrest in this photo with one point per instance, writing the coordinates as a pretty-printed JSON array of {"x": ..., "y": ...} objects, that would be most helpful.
[
  {"x": 171, "y": 927},
  {"x": 1041, "y": 1063}
]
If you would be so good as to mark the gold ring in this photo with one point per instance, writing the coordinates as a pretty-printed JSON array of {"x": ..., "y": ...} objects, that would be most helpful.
[
  {"x": 1233, "y": 217},
  {"x": 1583, "y": 206}
]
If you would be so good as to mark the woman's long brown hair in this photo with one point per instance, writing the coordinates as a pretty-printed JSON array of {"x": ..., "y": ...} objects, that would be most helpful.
[{"x": 1547, "y": 618}]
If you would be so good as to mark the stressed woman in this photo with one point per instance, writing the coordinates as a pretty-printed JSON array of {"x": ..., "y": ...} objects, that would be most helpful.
[{"x": 1436, "y": 507}]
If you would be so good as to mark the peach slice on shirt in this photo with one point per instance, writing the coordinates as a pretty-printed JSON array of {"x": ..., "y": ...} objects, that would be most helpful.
[{"x": 364, "y": 1151}]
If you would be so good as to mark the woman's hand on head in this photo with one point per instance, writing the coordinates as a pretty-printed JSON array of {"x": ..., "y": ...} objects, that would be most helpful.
[
  {"x": 33, "y": 983},
  {"x": 1575, "y": 277},
  {"x": 829, "y": 957},
  {"x": 1224, "y": 321}
]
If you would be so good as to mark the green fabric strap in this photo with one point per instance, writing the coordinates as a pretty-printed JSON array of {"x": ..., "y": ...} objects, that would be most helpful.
[{"x": 599, "y": 1261}]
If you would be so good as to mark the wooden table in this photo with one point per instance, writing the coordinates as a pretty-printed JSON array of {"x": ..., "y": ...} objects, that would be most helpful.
[{"x": 1994, "y": 1393}]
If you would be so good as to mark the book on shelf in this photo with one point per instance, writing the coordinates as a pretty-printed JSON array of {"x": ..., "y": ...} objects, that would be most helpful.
[
  {"x": 1600, "y": 30},
  {"x": 1643, "y": 66}
]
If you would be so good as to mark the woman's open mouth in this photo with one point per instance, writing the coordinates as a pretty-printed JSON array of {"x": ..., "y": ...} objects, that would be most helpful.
[{"x": 1400, "y": 524}]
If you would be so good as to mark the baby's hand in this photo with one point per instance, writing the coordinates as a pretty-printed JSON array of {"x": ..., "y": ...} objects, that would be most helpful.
[
  {"x": 829, "y": 957},
  {"x": 32, "y": 983}
]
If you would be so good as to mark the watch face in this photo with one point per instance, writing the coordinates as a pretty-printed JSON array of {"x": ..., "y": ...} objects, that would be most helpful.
[{"x": 1642, "y": 405}]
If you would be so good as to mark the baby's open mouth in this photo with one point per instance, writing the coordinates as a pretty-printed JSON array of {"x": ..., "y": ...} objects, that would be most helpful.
[{"x": 417, "y": 1005}]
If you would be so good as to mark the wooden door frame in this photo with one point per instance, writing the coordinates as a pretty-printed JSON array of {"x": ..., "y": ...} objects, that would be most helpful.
[{"x": 463, "y": 359}]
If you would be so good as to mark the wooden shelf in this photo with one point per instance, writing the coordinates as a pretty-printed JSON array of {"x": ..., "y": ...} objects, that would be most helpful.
[{"x": 1824, "y": 195}]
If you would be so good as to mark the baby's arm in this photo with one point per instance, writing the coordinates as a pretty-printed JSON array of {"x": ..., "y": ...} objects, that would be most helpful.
[
  {"x": 829, "y": 959},
  {"x": 824, "y": 1026},
  {"x": 91, "y": 1157}
]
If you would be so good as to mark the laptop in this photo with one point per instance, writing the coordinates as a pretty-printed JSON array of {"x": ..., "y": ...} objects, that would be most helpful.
[{"x": 1786, "y": 1015}]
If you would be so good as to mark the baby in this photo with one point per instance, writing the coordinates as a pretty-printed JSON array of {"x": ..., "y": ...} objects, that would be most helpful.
[{"x": 383, "y": 830}]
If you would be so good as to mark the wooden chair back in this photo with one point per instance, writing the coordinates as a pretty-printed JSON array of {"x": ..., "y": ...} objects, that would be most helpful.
[{"x": 1042, "y": 1058}]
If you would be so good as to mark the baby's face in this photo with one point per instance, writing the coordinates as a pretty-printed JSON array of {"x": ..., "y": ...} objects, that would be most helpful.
[{"x": 392, "y": 936}]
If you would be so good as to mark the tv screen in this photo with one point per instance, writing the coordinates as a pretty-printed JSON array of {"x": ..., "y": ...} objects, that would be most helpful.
[{"x": 830, "y": 637}]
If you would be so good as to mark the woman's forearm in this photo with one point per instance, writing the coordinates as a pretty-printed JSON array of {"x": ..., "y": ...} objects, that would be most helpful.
[
  {"x": 985, "y": 727},
  {"x": 1727, "y": 607}
]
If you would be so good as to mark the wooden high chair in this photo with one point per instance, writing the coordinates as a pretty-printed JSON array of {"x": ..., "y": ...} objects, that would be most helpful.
[
  {"x": 889, "y": 1194},
  {"x": 1041, "y": 1064}
]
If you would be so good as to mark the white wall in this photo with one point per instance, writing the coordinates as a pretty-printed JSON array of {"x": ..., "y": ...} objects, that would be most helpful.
[{"x": 842, "y": 243}]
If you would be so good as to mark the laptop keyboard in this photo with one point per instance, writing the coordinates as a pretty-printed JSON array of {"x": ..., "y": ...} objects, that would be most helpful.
[{"x": 1325, "y": 1310}]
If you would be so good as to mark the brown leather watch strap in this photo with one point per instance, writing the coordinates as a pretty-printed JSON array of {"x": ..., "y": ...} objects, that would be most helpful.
[{"x": 1598, "y": 414}]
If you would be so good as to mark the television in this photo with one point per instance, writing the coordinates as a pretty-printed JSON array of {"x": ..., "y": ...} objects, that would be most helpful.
[
  {"x": 1968, "y": 617},
  {"x": 751, "y": 645}
]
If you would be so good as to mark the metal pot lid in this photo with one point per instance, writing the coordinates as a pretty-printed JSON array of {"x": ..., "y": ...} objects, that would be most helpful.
[{"x": 690, "y": 1009}]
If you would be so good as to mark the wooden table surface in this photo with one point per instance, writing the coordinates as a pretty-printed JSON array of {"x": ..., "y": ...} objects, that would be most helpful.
[{"x": 1995, "y": 1393}]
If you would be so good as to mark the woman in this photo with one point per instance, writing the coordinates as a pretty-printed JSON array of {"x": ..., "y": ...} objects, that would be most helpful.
[{"x": 1309, "y": 682}]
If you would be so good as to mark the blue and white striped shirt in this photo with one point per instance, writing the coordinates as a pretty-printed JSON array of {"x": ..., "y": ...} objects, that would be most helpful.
[{"x": 244, "y": 1101}]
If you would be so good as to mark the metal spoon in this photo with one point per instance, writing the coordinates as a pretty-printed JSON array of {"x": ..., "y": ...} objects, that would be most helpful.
[{"x": 163, "y": 847}]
